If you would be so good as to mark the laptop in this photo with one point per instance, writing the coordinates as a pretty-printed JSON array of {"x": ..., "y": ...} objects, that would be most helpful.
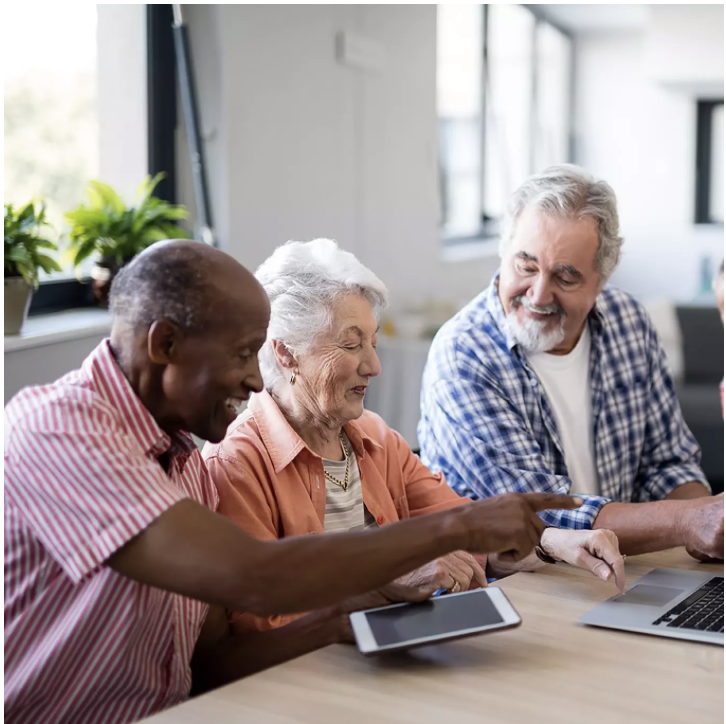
[{"x": 668, "y": 602}]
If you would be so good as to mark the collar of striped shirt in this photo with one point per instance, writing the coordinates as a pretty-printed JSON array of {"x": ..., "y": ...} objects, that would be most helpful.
[
  {"x": 113, "y": 387},
  {"x": 487, "y": 424}
]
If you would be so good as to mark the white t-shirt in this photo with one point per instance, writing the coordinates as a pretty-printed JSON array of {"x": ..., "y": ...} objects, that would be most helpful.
[{"x": 566, "y": 382}]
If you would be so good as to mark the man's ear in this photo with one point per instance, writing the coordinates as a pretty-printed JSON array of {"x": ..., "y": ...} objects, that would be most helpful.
[
  {"x": 163, "y": 342},
  {"x": 285, "y": 358}
]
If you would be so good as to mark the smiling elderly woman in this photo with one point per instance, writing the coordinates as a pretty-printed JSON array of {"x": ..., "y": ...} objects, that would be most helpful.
[{"x": 306, "y": 457}]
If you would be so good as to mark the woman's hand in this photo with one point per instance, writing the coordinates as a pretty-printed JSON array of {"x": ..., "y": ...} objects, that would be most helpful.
[
  {"x": 594, "y": 550},
  {"x": 458, "y": 571}
]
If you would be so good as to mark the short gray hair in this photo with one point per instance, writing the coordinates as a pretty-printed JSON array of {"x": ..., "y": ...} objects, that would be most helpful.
[
  {"x": 303, "y": 281},
  {"x": 164, "y": 282},
  {"x": 569, "y": 191}
]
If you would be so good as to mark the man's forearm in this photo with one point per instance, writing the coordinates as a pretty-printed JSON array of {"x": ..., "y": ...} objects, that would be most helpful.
[
  {"x": 497, "y": 568},
  {"x": 194, "y": 552},
  {"x": 688, "y": 491},
  {"x": 240, "y": 655},
  {"x": 643, "y": 527},
  {"x": 370, "y": 561}
]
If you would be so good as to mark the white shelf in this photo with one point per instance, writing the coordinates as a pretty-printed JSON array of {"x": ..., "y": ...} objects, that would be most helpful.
[{"x": 59, "y": 327}]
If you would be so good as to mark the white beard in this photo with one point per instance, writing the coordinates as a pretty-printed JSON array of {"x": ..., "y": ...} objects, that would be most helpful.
[{"x": 530, "y": 334}]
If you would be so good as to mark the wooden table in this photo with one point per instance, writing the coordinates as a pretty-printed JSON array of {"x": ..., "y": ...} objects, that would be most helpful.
[{"x": 550, "y": 669}]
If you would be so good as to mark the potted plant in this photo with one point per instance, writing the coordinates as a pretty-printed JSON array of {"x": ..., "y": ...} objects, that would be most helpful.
[
  {"x": 25, "y": 246},
  {"x": 116, "y": 233}
]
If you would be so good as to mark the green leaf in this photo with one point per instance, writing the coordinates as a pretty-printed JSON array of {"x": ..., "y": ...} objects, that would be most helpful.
[
  {"x": 102, "y": 195},
  {"x": 45, "y": 244},
  {"x": 19, "y": 254},
  {"x": 82, "y": 254},
  {"x": 47, "y": 264},
  {"x": 146, "y": 189},
  {"x": 86, "y": 217},
  {"x": 106, "y": 226}
]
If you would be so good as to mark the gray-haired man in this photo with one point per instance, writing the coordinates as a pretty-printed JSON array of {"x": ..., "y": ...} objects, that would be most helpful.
[{"x": 551, "y": 381}]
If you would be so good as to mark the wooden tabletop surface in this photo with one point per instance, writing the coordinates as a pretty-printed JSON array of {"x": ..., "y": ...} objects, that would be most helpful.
[{"x": 549, "y": 669}]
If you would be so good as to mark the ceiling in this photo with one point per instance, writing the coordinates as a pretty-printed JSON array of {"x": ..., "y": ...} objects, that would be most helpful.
[{"x": 597, "y": 18}]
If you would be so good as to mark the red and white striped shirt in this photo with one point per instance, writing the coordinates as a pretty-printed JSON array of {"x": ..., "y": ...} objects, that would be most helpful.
[{"x": 83, "y": 643}]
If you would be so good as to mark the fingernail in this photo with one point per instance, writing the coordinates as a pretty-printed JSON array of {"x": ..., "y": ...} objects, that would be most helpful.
[{"x": 579, "y": 501}]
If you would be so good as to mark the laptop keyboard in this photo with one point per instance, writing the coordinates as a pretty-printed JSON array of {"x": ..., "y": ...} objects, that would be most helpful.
[{"x": 702, "y": 610}]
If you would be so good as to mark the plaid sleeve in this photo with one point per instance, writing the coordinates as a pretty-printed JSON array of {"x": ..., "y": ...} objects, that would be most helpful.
[
  {"x": 475, "y": 434},
  {"x": 670, "y": 456}
]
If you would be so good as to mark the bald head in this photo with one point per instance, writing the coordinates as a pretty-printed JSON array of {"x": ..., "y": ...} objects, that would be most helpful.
[{"x": 185, "y": 282}]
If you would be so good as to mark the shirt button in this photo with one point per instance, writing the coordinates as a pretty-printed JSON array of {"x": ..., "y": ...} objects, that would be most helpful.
[
  {"x": 380, "y": 520},
  {"x": 533, "y": 382}
]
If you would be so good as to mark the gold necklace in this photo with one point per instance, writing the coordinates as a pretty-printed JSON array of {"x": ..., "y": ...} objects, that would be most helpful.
[{"x": 340, "y": 483}]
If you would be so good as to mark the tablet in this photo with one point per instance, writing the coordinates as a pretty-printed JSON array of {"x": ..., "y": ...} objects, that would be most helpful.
[{"x": 456, "y": 615}]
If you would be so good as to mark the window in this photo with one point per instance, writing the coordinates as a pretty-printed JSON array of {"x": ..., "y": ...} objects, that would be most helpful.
[
  {"x": 504, "y": 98},
  {"x": 709, "y": 162},
  {"x": 51, "y": 120},
  {"x": 75, "y": 109},
  {"x": 460, "y": 44}
]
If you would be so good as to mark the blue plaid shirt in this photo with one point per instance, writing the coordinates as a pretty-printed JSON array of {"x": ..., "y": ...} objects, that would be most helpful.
[{"x": 488, "y": 426}]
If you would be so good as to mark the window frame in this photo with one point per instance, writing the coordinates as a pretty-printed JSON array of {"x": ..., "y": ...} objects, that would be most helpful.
[
  {"x": 704, "y": 153},
  {"x": 489, "y": 227}
]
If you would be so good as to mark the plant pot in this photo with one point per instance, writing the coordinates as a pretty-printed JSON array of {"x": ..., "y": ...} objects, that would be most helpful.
[
  {"x": 103, "y": 274},
  {"x": 17, "y": 300}
]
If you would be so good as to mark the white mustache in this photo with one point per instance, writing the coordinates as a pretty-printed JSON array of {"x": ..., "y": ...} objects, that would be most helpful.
[{"x": 547, "y": 309}]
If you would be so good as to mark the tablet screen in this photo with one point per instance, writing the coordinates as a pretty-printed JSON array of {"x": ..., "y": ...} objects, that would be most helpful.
[{"x": 436, "y": 617}]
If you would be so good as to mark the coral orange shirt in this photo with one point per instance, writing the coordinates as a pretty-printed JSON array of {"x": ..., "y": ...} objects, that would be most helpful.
[{"x": 272, "y": 485}]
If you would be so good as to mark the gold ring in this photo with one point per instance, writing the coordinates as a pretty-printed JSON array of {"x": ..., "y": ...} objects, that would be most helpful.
[{"x": 456, "y": 587}]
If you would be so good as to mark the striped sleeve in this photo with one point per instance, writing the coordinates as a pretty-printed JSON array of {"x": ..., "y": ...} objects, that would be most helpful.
[{"x": 82, "y": 484}]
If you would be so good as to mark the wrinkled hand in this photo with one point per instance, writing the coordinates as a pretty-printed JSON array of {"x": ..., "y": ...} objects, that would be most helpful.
[
  {"x": 509, "y": 524},
  {"x": 392, "y": 593},
  {"x": 458, "y": 571},
  {"x": 702, "y": 527},
  {"x": 596, "y": 551}
]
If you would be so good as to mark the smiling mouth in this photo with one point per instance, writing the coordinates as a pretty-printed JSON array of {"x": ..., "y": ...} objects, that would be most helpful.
[
  {"x": 360, "y": 390},
  {"x": 234, "y": 403},
  {"x": 539, "y": 315}
]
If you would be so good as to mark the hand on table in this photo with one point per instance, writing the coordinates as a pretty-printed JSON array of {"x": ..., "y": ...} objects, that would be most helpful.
[
  {"x": 702, "y": 527},
  {"x": 508, "y": 524},
  {"x": 596, "y": 551},
  {"x": 458, "y": 571}
]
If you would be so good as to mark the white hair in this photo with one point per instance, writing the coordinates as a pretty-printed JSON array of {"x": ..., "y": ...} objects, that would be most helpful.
[
  {"x": 570, "y": 192},
  {"x": 530, "y": 334},
  {"x": 303, "y": 280}
]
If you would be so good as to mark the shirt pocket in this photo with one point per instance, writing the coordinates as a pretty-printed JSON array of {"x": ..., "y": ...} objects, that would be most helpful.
[{"x": 401, "y": 505}]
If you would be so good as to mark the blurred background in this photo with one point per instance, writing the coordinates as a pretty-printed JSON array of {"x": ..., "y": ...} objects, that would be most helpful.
[{"x": 398, "y": 130}]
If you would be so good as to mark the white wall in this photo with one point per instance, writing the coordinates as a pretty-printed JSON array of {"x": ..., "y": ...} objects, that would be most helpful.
[
  {"x": 43, "y": 364},
  {"x": 685, "y": 46},
  {"x": 636, "y": 127},
  {"x": 301, "y": 146}
]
